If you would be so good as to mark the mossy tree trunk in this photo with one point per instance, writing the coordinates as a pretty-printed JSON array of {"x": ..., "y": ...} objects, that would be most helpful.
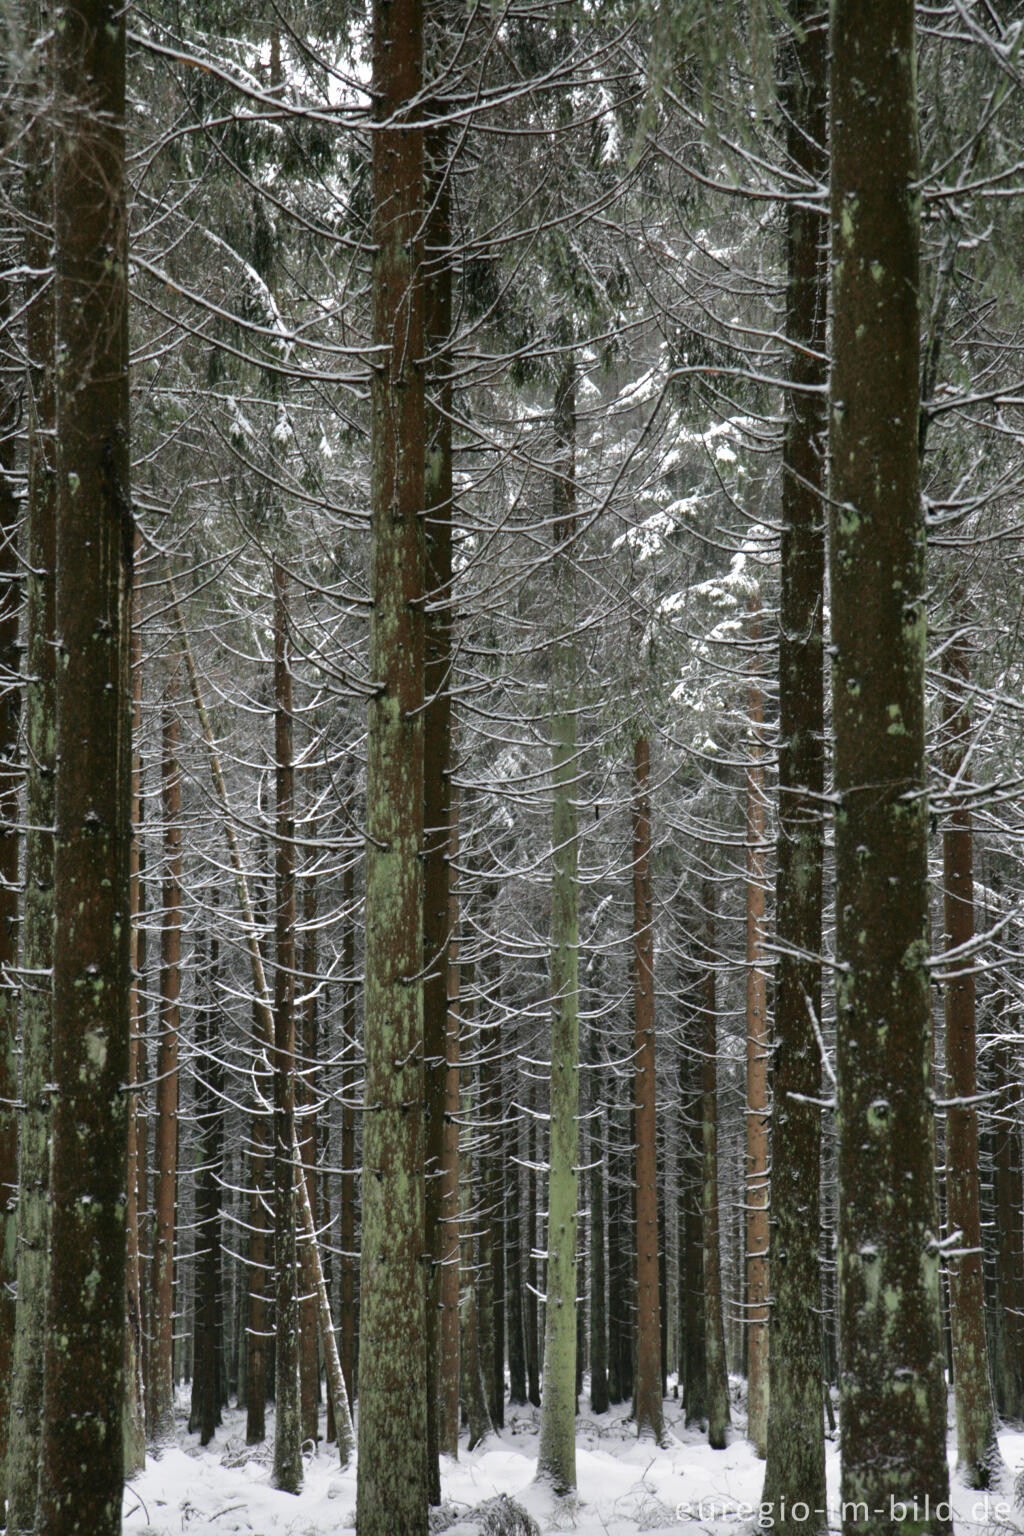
[
  {"x": 392, "y": 1489},
  {"x": 893, "y": 1401},
  {"x": 795, "y": 1469},
  {"x": 82, "y": 1455}
]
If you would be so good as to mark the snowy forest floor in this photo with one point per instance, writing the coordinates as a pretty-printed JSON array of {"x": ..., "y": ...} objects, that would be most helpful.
[{"x": 625, "y": 1486}]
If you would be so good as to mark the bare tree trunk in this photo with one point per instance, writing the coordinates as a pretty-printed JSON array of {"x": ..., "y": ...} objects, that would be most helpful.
[{"x": 82, "y": 1458}]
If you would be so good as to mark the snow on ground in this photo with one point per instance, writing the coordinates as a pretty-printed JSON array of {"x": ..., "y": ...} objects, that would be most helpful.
[{"x": 625, "y": 1486}]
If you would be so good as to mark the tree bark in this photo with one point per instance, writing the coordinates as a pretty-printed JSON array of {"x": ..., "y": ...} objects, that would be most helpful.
[
  {"x": 392, "y": 1490},
  {"x": 892, "y": 1391},
  {"x": 82, "y": 1456},
  {"x": 795, "y": 1469}
]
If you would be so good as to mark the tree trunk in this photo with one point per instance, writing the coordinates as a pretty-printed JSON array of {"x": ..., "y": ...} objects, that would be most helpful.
[
  {"x": 204, "y": 1415},
  {"x": 288, "y": 1416},
  {"x": 135, "y": 1395},
  {"x": 392, "y": 1489},
  {"x": 37, "y": 922},
  {"x": 160, "y": 1405},
  {"x": 756, "y": 1312},
  {"x": 556, "y": 1453},
  {"x": 893, "y": 1402},
  {"x": 10, "y": 777},
  {"x": 649, "y": 1414},
  {"x": 437, "y": 791},
  {"x": 596, "y": 1158},
  {"x": 1008, "y": 1179},
  {"x": 347, "y": 1189},
  {"x": 979, "y": 1463},
  {"x": 309, "y": 1365},
  {"x": 795, "y": 1470},
  {"x": 82, "y": 1457},
  {"x": 693, "y": 1342},
  {"x": 449, "y": 1378},
  {"x": 715, "y": 1361}
]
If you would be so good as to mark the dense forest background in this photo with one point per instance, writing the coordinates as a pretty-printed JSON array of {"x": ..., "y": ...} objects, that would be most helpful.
[{"x": 480, "y": 430}]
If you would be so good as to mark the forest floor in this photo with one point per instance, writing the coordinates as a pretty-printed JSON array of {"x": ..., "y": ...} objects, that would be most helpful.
[{"x": 625, "y": 1486}]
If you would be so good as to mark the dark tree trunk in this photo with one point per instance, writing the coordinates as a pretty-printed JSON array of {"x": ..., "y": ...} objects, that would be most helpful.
[
  {"x": 37, "y": 921},
  {"x": 691, "y": 1231},
  {"x": 392, "y": 1490},
  {"x": 82, "y": 1457},
  {"x": 893, "y": 1401}
]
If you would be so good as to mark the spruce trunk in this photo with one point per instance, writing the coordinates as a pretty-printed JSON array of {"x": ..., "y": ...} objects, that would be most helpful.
[
  {"x": 82, "y": 1455},
  {"x": 892, "y": 1393},
  {"x": 392, "y": 1491},
  {"x": 795, "y": 1469},
  {"x": 556, "y": 1455}
]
